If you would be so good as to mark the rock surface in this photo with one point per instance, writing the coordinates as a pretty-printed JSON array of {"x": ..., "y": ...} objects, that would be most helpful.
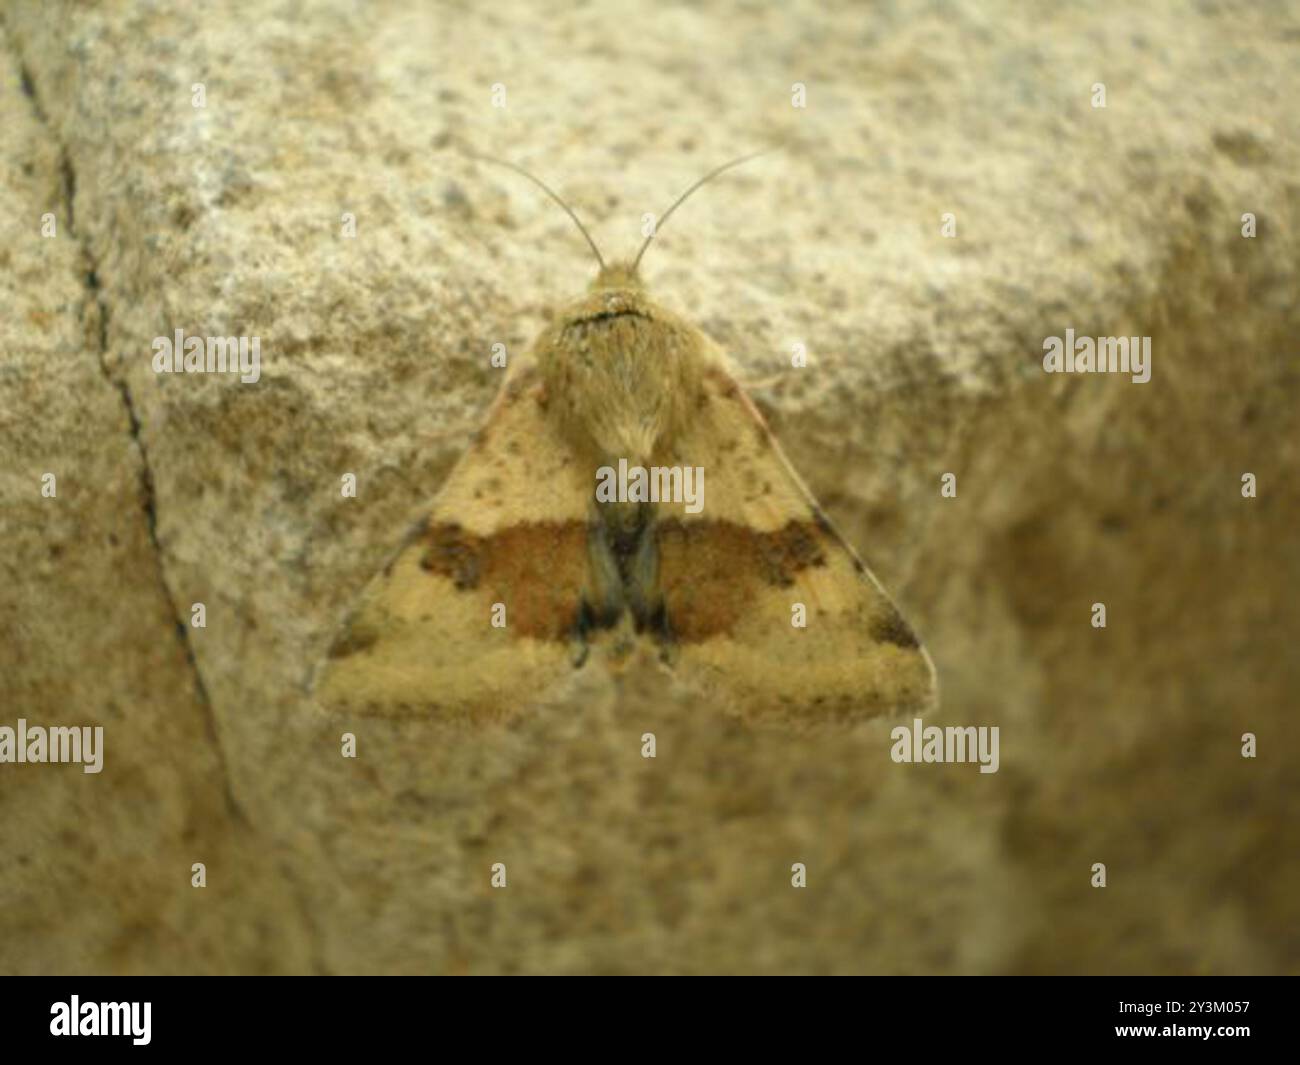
[{"x": 1119, "y": 745}]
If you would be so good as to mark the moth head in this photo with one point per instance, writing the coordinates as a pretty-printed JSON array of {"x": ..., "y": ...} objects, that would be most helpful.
[
  {"x": 615, "y": 292},
  {"x": 617, "y": 277}
]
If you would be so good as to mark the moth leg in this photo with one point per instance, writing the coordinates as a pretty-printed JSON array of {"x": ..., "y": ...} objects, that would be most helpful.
[
  {"x": 581, "y": 627},
  {"x": 601, "y": 603},
  {"x": 623, "y": 555},
  {"x": 645, "y": 599}
]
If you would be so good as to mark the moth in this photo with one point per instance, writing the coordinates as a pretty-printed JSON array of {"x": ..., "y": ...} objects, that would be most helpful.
[{"x": 519, "y": 575}]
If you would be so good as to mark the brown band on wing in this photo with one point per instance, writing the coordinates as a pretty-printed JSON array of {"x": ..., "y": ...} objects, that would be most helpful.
[
  {"x": 707, "y": 570},
  {"x": 537, "y": 569}
]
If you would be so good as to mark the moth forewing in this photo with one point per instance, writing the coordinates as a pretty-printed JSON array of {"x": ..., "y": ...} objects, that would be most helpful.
[
  {"x": 771, "y": 609},
  {"x": 476, "y": 613}
]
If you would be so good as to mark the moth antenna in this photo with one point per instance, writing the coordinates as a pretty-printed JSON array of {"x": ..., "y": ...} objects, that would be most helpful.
[
  {"x": 682, "y": 198},
  {"x": 546, "y": 189}
]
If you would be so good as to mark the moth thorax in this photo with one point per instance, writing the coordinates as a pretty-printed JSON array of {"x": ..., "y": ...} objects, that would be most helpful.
[{"x": 625, "y": 383}]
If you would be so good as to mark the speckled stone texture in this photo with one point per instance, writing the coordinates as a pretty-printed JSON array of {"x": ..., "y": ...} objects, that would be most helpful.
[{"x": 1120, "y": 746}]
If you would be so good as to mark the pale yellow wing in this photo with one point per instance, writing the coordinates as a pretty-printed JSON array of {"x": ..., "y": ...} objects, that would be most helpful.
[
  {"x": 505, "y": 541},
  {"x": 760, "y": 558}
]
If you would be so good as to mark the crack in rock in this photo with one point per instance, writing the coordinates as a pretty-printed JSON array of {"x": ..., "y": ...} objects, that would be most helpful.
[{"x": 149, "y": 498}]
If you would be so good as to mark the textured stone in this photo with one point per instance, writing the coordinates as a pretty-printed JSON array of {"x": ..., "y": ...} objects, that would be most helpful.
[{"x": 1118, "y": 745}]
